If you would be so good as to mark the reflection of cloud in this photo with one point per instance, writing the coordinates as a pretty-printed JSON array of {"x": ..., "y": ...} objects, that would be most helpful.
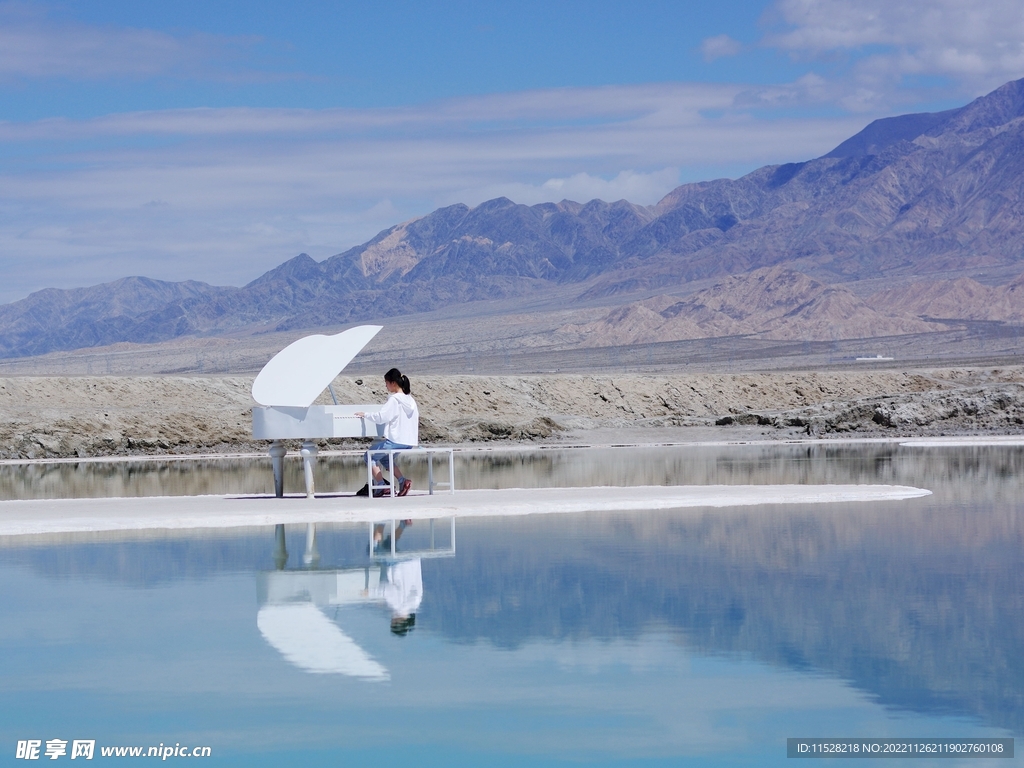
[
  {"x": 247, "y": 188},
  {"x": 614, "y": 698}
]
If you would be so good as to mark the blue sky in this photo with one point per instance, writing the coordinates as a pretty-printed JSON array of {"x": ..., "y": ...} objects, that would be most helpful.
[{"x": 212, "y": 141}]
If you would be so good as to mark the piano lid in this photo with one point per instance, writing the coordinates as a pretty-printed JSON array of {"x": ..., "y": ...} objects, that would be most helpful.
[{"x": 297, "y": 374}]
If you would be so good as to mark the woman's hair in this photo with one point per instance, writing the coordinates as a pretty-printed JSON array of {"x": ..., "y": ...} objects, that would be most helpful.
[
  {"x": 395, "y": 376},
  {"x": 402, "y": 626}
]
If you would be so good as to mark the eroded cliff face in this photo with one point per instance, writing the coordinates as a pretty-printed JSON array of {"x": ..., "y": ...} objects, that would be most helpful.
[{"x": 51, "y": 417}]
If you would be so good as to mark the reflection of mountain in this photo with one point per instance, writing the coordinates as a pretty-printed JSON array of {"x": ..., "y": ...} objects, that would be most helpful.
[
  {"x": 918, "y": 627},
  {"x": 920, "y": 604}
]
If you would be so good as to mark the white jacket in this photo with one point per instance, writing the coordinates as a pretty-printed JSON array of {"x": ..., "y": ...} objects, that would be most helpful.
[{"x": 401, "y": 418}]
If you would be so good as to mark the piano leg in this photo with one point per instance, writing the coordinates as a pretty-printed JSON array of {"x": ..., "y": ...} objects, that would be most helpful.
[
  {"x": 277, "y": 452},
  {"x": 280, "y": 549},
  {"x": 308, "y": 454},
  {"x": 312, "y": 555}
]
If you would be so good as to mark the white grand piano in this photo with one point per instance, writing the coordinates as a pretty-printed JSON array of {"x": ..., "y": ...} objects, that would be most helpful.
[{"x": 289, "y": 384}]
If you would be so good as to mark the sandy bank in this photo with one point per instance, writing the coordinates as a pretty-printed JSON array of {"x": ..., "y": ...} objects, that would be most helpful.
[{"x": 107, "y": 415}]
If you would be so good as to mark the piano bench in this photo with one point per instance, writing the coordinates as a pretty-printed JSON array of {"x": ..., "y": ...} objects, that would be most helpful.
[{"x": 432, "y": 483}]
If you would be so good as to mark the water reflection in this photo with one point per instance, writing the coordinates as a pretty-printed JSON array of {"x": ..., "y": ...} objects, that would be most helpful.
[
  {"x": 964, "y": 474},
  {"x": 290, "y": 613},
  {"x": 603, "y": 628}
]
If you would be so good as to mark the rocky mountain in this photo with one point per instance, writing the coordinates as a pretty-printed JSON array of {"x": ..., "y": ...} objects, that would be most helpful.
[
  {"x": 962, "y": 299},
  {"x": 456, "y": 254},
  {"x": 133, "y": 308},
  {"x": 885, "y": 203},
  {"x": 769, "y": 303},
  {"x": 913, "y": 198}
]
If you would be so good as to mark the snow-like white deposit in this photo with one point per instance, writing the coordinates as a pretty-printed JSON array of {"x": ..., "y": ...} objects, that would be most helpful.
[
  {"x": 183, "y": 512},
  {"x": 1003, "y": 441}
]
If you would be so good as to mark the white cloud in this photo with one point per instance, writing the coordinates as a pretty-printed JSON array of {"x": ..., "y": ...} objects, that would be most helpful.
[
  {"x": 676, "y": 101},
  {"x": 34, "y": 46},
  {"x": 976, "y": 46},
  {"x": 806, "y": 90},
  {"x": 718, "y": 46},
  {"x": 639, "y": 188},
  {"x": 225, "y": 194}
]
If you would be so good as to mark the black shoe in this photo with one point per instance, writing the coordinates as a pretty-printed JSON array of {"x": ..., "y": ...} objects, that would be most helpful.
[{"x": 364, "y": 491}]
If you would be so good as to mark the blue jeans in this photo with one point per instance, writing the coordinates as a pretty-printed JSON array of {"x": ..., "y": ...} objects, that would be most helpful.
[{"x": 385, "y": 445}]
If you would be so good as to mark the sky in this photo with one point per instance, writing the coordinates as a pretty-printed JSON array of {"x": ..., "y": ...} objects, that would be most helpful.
[{"x": 214, "y": 140}]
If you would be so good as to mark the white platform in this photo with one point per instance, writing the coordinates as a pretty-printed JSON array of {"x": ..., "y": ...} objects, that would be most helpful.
[
  {"x": 179, "y": 512},
  {"x": 999, "y": 441}
]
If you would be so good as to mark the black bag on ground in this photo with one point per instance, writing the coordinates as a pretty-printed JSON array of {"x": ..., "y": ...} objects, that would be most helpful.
[{"x": 365, "y": 490}]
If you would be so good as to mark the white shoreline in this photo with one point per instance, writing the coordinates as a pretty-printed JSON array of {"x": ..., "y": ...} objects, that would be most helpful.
[
  {"x": 1009, "y": 441},
  {"x": 49, "y": 516}
]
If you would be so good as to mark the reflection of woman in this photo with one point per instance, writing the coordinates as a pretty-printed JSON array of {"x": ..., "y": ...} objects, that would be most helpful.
[
  {"x": 401, "y": 586},
  {"x": 401, "y": 419}
]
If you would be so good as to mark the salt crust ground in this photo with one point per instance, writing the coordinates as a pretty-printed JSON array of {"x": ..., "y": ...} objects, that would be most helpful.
[{"x": 190, "y": 512}]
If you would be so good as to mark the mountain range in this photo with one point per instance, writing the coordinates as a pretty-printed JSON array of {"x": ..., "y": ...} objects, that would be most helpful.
[{"x": 881, "y": 236}]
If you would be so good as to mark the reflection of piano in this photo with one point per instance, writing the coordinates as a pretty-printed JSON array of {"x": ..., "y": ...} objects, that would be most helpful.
[
  {"x": 287, "y": 387},
  {"x": 290, "y": 619},
  {"x": 290, "y": 603}
]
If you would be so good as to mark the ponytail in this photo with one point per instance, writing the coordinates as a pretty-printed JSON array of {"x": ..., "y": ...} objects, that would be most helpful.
[{"x": 395, "y": 376}]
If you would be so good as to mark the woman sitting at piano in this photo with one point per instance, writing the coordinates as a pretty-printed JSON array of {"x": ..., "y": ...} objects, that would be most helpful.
[{"x": 401, "y": 419}]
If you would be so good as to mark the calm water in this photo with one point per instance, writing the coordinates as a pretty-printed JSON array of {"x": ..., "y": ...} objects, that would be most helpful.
[{"x": 695, "y": 637}]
